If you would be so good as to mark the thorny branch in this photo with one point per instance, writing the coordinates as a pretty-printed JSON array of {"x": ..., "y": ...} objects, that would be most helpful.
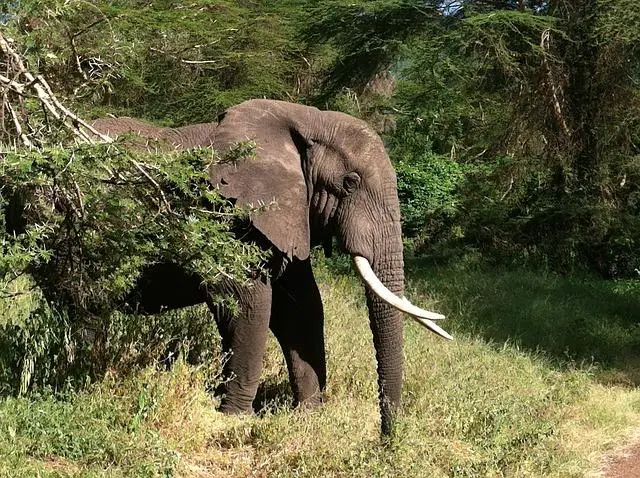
[
  {"x": 26, "y": 84},
  {"x": 140, "y": 168},
  {"x": 18, "y": 83}
]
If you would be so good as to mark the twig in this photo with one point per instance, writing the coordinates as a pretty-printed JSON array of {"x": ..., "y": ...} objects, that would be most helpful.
[
  {"x": 16, "y": 124},
  {"x": 47, "y": 98},
  {"x": 198, "y": 62},
  {"x": 182, "y": 60},
  {"x": 12, "y": 85},
  {"x": 79, "y": 194},
  {"x": 72, "y": 43},
  {"x": 556, "y": 90},
  {"x": 67, "y": 112},
  {"x": 87, "y": 28},
  {"x": 19, "y": 65},
  {"x": 508, "y": 190},
  {"x": 140, "y": 168}
]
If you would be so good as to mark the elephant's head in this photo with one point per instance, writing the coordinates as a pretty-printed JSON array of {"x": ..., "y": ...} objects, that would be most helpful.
[{"x": 330, "y": 175}]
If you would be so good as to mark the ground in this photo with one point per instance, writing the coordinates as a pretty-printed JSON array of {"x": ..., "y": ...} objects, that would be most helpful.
[
  {"x": 540, "y": 381},
  {"x": 622, "y": 463}
]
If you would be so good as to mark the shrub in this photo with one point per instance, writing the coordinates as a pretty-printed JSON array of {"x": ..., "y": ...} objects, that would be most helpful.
[
  {"x": 83, "y": 222},
  {"x": 428, "y": 189}
]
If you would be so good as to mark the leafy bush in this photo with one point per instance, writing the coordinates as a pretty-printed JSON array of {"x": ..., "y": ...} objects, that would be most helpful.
[
  {"x": 80, "y": 222},
  {"x": 83, "y": 223},
  {"x": 428, "y": 188}
]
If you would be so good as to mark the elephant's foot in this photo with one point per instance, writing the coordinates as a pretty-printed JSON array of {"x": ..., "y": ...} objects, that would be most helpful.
[
  {"x": 235, "y": 401},
  {"x": 307, "y": 379},
  {"x": 311, "y": 402},
  {"x": 230, "y": 408},
  {"x": 306, "y": 383}
]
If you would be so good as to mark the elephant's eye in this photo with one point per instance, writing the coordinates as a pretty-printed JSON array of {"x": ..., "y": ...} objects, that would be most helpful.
[{"x": 350, "y": 182}]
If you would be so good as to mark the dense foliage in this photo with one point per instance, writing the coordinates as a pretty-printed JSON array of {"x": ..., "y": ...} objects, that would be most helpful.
[
  {"x": 84, "y": 222},
  {"x": 79, "y": 223},
  {"x": 538, "y": 104},
  {"x": 171, "y": 61},
  {"x": 513, "y": 125}
]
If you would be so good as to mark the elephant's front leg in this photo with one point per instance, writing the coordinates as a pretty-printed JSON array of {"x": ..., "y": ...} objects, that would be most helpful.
[
  {"x": 297, "y": 321},
  {"x": 244, "y": 338}
]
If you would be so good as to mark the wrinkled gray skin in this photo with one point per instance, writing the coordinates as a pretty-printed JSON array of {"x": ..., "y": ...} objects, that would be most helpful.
[
  {"x": 163, "y": 138},
  {"x": 331, "y": 177}
]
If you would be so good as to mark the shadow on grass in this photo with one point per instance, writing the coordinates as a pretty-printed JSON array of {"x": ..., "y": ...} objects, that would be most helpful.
[
  {"x": 273, "y": 393},
  {"x": 566, "y": 318}
]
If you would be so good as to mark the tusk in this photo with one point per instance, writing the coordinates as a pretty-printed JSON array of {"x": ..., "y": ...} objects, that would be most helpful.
[
  {"x": 429, "y": 324},
  {"x": 402, "y": 304}
]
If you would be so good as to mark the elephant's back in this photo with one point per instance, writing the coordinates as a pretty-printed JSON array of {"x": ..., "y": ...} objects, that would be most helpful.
[{"x": 114, "y": 127}]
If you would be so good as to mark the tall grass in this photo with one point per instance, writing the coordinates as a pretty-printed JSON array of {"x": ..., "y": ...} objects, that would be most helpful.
[
  {"x": 568, "y": 319},
  {"x": 504, "y": 399}
]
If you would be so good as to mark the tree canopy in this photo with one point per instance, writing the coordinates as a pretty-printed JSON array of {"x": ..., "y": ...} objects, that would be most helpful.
[{"x": 536, "y": 101}]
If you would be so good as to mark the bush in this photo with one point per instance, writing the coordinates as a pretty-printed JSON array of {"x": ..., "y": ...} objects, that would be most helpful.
[
  {"x": 428, "y": 187},
  {"x": 80, "y": 222},
  {"x": 83, "y": 223}
]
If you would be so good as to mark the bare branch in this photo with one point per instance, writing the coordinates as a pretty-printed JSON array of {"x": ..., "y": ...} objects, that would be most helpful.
[
  {"x": 198, "y": 62},
  {"x": 47, "y": 98},
  {"x": 556, "y": 90},
  {"x": 18, "y": 126}
]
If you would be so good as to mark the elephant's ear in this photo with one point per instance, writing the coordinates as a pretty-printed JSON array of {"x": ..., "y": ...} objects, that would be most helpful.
[{"x": 274, "y": 175}]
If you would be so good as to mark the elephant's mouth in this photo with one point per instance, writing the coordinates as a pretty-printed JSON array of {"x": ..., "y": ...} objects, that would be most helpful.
[{"x": 423, "y": 317}]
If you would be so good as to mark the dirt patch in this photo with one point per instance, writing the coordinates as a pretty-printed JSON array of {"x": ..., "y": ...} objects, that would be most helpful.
[{"x": 623, "y": 464}]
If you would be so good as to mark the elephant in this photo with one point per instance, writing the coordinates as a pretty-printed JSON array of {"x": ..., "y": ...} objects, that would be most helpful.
[
  {"x": 330, "y": 177},
  {"x": 185, "y": 137}
]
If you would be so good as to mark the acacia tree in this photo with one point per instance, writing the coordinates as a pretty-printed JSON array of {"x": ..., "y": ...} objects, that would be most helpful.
[
  {"x": 80, "y": 219},
  {"x": 536, "y": 103},
  {"x": 170, "y": 61}
]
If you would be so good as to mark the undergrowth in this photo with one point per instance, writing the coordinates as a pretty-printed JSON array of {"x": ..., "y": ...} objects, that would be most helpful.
[{"x": 487, "y": 404}]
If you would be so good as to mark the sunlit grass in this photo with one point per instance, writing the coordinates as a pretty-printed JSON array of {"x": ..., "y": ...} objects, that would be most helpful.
[{"x": 492, "y": 403}]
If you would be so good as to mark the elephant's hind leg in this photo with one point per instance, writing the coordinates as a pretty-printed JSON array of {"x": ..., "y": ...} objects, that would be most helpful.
[
  {"x": 297, "y": 321},
  {"x": 243, "y": 338}
]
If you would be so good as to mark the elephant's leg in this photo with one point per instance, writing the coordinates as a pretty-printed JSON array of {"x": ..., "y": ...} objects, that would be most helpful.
[
  {"x": 244, "y": 338},
  {"x": 297, "y": 321}
]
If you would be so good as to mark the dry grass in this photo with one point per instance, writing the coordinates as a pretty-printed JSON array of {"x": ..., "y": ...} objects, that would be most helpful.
[{"x": 471, "y": 408}]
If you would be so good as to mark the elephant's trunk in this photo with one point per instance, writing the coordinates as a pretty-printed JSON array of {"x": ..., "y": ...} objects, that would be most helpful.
[
  {"x": 384, "y": 281},
  {"x": 386, "y": 326}
]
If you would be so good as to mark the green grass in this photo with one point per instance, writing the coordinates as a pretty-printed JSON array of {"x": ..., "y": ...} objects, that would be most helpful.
[
  {"x": 534, "y": 385},
  {"x": 568, "y": 319}
]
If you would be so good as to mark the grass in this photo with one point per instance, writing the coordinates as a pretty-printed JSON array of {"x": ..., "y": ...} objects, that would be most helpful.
[
  {"x": 584, "y": 320},
  {"x": 534, "y": 385}
]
